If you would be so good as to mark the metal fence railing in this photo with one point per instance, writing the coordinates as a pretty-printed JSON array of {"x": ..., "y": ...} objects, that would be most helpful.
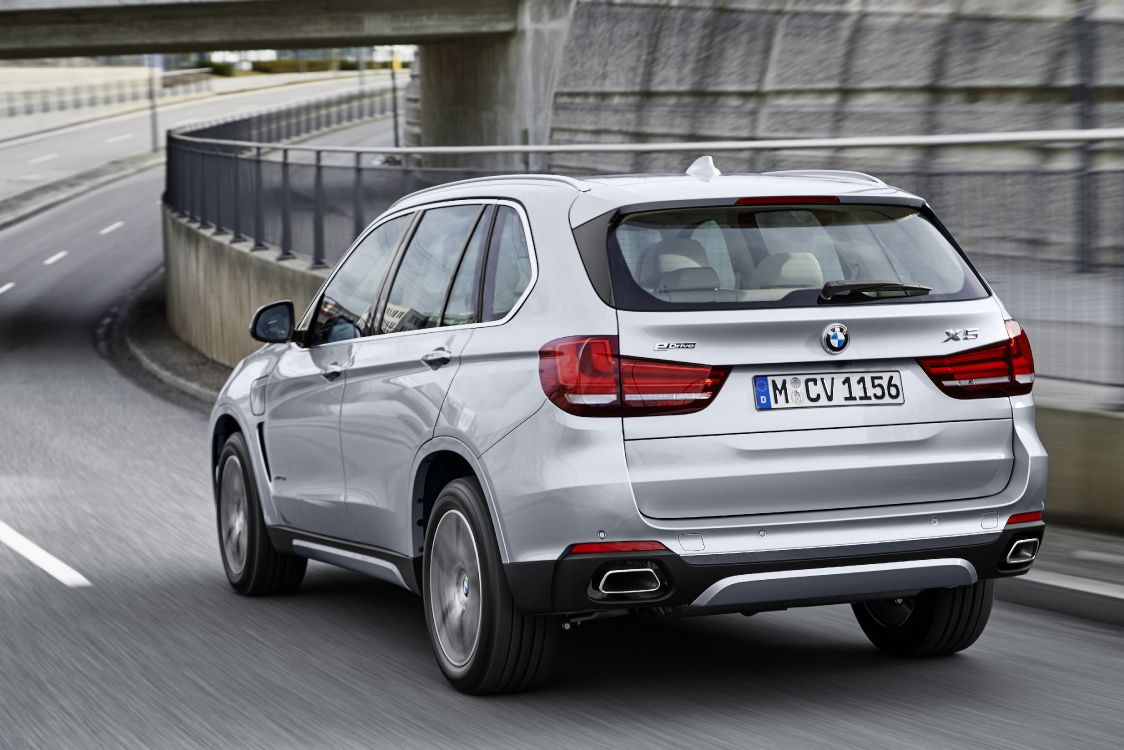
[
  {"x": 19, "y": 102},
  {"x": 1049, "y": 237}
]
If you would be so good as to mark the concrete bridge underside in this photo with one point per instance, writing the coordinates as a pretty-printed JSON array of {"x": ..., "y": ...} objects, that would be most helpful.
[{"x": 59, "y": 28}]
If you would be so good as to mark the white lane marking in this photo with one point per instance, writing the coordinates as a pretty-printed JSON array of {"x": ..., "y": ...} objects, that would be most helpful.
[
  {"x": 1089, "y": 554},
  {"x": 43, "y": 158},
  {"x": 112, "y": 227},
  {"x": 39, "y": 556},
  {"x": 119, "y": 138},
  {"x": 55, "y": 258},
  {"x": 6, "y": 287}
]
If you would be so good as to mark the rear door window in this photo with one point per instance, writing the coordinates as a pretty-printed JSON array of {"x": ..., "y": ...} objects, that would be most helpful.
[
  {"x": 753, "y": 257},
  {"x": 418, "y": 292}
]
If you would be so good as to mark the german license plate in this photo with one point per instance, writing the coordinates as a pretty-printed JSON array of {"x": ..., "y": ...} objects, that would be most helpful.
[{"x": 839, "y": 389}]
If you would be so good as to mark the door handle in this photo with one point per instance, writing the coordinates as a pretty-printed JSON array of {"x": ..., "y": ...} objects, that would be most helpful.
[
  {"x": 437, "y": 357},
  {"x": 332, "y": 371}
]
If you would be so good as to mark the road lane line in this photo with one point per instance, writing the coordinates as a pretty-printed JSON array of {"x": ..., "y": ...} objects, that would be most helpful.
[
  {"x": 112, "y": 227},
  {"x": 43, "y": 158},
  {"x": 55, "y": 258},
  {"x": 119, "y": 138},
  {"x": 1089, "y": 554},
  {"x": 40, "y": 557},
  {"x": 6, "y": 287}
]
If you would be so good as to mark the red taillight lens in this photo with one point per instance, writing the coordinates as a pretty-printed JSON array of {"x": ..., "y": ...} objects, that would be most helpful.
[
  {"x": 585, "y": 375},
  {"x": 579, "y": 374},
  {"x": 1034, "y": 515},
  {"x": 1003, "y": 369},
  {"x": 590, "y": 548},
  {"x": 656, "y": 387}
]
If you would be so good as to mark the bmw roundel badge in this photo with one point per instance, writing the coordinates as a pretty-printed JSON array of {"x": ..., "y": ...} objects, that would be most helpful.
[{"x": 835, "y": 338}]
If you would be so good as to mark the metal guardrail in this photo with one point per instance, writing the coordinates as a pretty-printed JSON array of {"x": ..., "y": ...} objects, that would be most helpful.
[
  {"x": 24, "y": 102},
  {"x": 1042, "y": 222}
]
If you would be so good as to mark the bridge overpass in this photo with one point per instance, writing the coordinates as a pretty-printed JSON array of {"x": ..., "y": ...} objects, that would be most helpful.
[
  {"x": 566, "y": 71},
  {"x": 492, "y": 63},
  {"x": 59, "y": 28}
]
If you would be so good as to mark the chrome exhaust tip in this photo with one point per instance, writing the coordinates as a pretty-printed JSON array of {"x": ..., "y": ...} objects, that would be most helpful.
[
  {"x": 1022, "y": 552},
  {"x": 629, "y": 581}
]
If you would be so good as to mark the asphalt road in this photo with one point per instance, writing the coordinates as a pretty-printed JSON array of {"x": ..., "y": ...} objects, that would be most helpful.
[
  {"x": 30, "y": 162},
  {"x": 110, "y": 477}
]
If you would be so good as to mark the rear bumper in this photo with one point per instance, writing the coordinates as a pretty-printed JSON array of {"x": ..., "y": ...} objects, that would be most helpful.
[{"x": 755, "y": 581}]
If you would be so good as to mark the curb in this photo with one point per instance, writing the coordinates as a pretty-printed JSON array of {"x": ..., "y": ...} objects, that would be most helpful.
[
  {"x": 1076, "y": 596},
  {"x": 81, "y": 187},
  {"x": 169, "y": 378},
  {"x": 165, "y": 376}
]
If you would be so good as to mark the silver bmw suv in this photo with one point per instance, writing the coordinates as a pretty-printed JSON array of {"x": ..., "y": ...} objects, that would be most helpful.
[{"x": 537, "y": 400}]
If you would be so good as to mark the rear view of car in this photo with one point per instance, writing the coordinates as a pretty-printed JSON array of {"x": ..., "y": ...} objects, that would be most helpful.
[
  {"x": 538, "y": 401},
  {"x": 820, "y": 401}
]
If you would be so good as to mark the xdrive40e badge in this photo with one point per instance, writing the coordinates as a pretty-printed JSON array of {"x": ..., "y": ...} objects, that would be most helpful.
[{"x": 835, "y": 338}]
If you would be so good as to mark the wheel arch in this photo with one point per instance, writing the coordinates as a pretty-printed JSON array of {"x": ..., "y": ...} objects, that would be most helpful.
[
  {"x": 225, "y": 426},
  {"x": 224, "y": 423},
  {"x": 440, "y": 461}
]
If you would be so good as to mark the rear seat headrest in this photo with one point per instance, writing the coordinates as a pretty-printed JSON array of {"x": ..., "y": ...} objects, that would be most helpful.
[
  {"x": 790, "y": 270},
  {"x": 669, "y": 255},
  {"x": 689, "y": 279}
]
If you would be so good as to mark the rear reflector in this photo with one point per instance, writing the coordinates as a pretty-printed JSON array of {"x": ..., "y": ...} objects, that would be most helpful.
[
  {"x": 774, "y": 200},
  {"x": 585, "y": 375},
  {"x": 592, "y": 548},
  {"x": 1002, "y": 369},
  {"x": 1034, "y": 515}
]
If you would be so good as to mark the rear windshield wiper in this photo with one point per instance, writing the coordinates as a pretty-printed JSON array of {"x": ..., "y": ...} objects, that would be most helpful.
[{"x": 855, "y": 291}]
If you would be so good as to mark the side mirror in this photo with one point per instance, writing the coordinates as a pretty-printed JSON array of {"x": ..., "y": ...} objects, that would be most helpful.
[{"x": 273, "y": 323}]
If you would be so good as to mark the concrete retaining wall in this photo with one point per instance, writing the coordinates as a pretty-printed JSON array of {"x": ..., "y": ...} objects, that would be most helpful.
[
  {"x": 636, "y": 70},
  {"x": 214, "y": 287},
  {"x": 1086, "y": 466}
]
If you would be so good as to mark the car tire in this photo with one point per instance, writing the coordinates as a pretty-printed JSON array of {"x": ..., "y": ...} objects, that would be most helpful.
[
  {"x": 933, "y": 623},
  {"x": 482, "y": 643},
  {"x": 253, "y": 566}
]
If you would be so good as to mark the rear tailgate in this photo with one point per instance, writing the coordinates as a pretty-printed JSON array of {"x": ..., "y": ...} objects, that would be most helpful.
[{"x": 732, "y": 458}]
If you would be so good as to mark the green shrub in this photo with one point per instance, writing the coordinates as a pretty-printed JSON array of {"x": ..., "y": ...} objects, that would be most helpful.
[
  {"x": 292, "y": 66},
  {"x": 221, "y": 69}
]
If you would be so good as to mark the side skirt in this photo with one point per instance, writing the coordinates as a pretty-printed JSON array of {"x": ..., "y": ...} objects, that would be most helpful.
[{"x": 373, "y": 561}]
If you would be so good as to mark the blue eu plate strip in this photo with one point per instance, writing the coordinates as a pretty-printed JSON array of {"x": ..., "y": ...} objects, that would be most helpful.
[{"x": 761, "y": 397}]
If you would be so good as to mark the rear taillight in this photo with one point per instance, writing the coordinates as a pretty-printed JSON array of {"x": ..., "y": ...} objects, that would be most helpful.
[
  {"x": 1002, "y": 369},
  {"x": 585, "y": 375}
]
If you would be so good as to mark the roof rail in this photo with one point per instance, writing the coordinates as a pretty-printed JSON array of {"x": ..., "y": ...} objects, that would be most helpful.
[
  {"x": 838, "y": 174},
  {"x": 577, "y": 184}
]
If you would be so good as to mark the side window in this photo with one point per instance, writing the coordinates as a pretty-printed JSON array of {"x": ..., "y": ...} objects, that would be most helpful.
[
  {"x": 461, "y": 307},
  {"x": 509, "y": 265},
  {"x": 418, "y": 292},
  {"x": 341, "y": 313}
]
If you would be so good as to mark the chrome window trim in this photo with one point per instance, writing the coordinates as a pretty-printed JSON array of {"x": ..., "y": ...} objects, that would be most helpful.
[{"x": 531, "y": 251}]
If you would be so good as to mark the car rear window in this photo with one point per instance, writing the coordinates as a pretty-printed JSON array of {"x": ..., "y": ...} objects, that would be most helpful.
[{"x": 733, "y": 257}]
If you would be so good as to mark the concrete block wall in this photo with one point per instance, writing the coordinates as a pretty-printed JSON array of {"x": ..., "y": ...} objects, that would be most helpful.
[
  {"x": 214, "y": 287},
  {"x": 649, "y": 70}
]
